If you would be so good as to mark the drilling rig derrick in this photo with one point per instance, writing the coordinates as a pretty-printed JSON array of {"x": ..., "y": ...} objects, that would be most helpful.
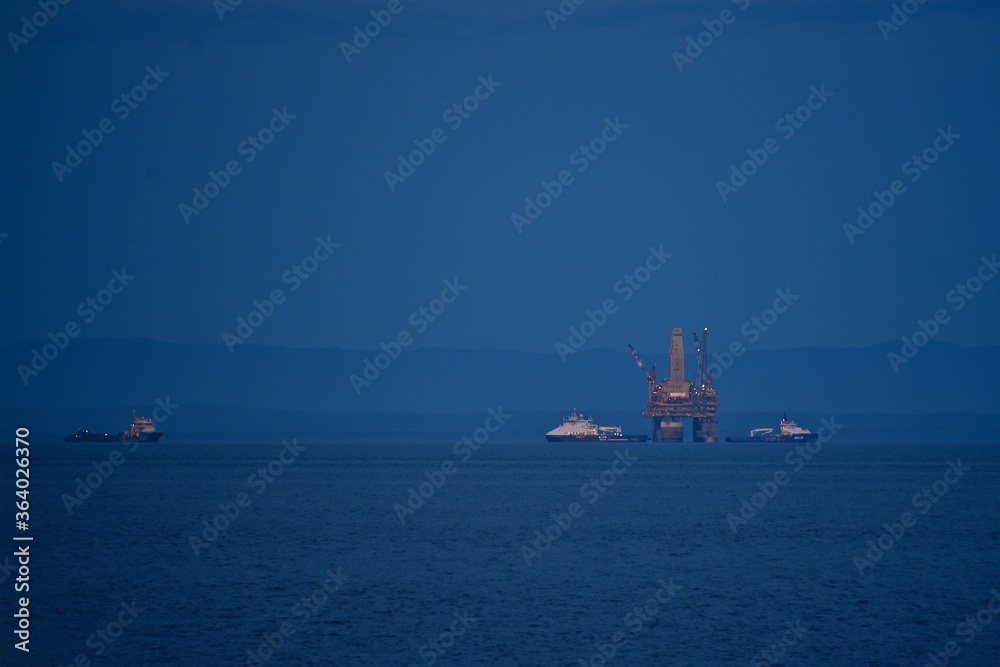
[{"x": 674, "y": 398}]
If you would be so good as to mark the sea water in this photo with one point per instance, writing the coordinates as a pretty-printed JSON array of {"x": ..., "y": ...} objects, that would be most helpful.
[{"x": 509, "y": 553}]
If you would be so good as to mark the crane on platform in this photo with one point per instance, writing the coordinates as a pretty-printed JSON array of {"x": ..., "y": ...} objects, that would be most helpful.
[
  {"x": 651, "y": 375},
  {"x": 703, "y": 377}
]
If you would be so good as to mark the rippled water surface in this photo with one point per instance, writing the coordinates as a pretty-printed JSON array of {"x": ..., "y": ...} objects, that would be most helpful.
[{"x": 321, "y": 563}]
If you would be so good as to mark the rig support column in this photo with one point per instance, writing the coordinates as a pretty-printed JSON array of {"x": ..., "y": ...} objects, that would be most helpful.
[
  {"x": 667, "y": 429},
  {"x": 706, "y": 429}
]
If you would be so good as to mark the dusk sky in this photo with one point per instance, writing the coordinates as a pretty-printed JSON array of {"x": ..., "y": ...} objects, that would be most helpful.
[{"x": 670, "y": 137}]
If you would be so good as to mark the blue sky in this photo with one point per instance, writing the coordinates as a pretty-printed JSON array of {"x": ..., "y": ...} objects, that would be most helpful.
[{"x": 656, "y": 184}]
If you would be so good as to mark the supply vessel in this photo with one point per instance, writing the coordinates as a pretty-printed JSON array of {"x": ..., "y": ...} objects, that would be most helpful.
[
  {"x": 141, "y": 429},
  {"x": 577, "y": 428},
  {"x": 788, "y": 431}
]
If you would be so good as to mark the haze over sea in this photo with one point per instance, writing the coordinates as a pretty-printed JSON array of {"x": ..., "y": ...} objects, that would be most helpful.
[{"x": 319, "y": 557}]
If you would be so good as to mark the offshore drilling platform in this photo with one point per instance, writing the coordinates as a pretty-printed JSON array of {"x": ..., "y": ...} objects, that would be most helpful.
[{"x": 673, "y": 398}]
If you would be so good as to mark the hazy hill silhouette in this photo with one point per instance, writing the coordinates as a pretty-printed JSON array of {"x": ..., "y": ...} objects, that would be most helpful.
[
  {"x": 945, "y": 393},
  {"x": 106, "y": 372}
]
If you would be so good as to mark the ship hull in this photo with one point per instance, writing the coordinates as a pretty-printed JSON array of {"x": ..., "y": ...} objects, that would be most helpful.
[
  {"x": 597, "y": 438},
  {"x": 804, "y": 437},
  {"x": 115, "y": 437}
]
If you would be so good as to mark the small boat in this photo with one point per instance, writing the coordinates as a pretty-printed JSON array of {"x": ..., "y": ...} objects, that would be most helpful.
[
  {"x": 577, "y": 428},
  {"x": 141, "y": 430},
  {"x": 789, "y": 431}
]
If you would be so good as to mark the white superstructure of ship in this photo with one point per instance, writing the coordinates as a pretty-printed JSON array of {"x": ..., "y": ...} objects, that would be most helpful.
[{"x": 577, "y": 428}]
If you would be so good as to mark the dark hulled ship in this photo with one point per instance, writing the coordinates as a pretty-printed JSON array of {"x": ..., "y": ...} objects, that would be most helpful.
[{"x": 141, "y": 429}]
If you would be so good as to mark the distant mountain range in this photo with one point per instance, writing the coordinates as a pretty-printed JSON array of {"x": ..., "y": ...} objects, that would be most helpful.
[
  {"x": 93, "y": 373},
  {"x": 98, "y": 372}
]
